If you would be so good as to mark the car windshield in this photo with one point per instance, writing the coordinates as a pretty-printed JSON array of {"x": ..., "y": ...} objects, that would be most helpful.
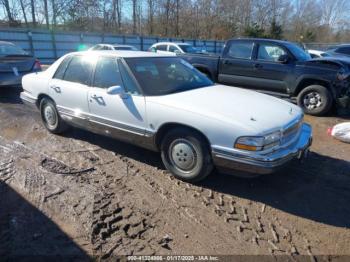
[
  {"x": 165, "y": 75},
  {"x": 298, "y": 52},
  {"x": 125, "y": 48},
  {"x": 8, "y": 50},
  {"x": 188, "y": 49}
]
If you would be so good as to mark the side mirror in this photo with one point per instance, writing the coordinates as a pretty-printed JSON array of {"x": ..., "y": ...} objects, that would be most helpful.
[
  {"x": 177, "y": 52},
  {"x": 284, "y": 59},
  {"x": 153, "y": 49},
  {"x": 117, "y": 90}
]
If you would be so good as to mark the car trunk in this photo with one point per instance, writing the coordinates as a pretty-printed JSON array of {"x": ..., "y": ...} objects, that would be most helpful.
[{"x": 21, "y": 63}]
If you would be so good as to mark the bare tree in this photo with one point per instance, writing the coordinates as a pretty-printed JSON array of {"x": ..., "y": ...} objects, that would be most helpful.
[
  {"x": 134, "y": 16},
  {"x": 8, "y": 11},
  {"x": 24, "y": 13},
  {"x": 150, "y": 16},
  {"x": 32, "y": 5},
  {"x": 54, "y": 13},
  {"x": 46, "y": 14}
]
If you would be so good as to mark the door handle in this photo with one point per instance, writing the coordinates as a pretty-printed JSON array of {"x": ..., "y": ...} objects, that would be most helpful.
[
  {"x": 96, "y": 97},
  {"x": 99, "y": 100},
  {"x": 227, "y": 62},
  {"x": 257, "y": 66},
  {"x": 56, "y": 88}
]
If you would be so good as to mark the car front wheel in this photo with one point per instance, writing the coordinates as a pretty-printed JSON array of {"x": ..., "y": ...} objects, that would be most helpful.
[
  {"x": 315, "y": 100},
  {"x": 50, "y": 117},
  {"x": 186, "y": 155}
]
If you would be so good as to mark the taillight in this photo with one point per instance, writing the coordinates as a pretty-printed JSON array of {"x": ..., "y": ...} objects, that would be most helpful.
[{"x": 37, "y": 65}]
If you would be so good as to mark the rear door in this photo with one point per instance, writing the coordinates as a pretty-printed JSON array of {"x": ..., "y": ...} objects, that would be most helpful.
[
  {"x": 119, "y": 116},
  {"x": 271, "y": 74},
  {"x": 236, "y": 66},
  {"x": 69, "y": 87}
]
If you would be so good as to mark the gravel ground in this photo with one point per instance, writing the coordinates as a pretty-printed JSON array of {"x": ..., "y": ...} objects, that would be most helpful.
[{"x": 81, "y": 195}]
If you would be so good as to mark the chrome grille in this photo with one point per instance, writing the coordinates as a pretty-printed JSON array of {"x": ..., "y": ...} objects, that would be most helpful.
[{"x": 291, "y": 132}]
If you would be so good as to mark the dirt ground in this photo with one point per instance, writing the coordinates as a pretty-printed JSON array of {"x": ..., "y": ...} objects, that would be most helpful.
[{"x": 81, "y": 195}]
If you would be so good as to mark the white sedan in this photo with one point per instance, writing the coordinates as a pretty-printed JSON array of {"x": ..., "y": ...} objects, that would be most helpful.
[
  {"x": 317, "y": 53},
  {"x": 164, "y": 104}
]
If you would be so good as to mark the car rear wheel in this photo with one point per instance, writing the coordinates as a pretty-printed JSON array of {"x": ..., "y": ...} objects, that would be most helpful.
[
  {"x": 50, "y": 117},
  {"x": 186, "y": 155},
  {"x": 315, "y": 100}
]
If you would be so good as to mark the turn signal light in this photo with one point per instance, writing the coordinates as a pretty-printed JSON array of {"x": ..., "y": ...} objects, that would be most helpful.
[{"x": 246, "y": 147}]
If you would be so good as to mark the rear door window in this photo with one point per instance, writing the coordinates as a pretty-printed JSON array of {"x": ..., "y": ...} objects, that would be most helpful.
[
  {"x": 242, "y": 50},
  {"x": 62, "y": 68},
  {"x": 161, "y": 47},
  {"x": 79, "y": 70}
]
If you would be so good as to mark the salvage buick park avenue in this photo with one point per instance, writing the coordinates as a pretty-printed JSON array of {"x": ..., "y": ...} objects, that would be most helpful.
[{"x": 164, "y": 104}]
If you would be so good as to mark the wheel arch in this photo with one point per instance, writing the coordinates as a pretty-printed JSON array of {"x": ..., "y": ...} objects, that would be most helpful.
[
  {"x": 41, "y": 96},
  {"x": 163, "y": 129},
  {"x": 305, "y": 82}
]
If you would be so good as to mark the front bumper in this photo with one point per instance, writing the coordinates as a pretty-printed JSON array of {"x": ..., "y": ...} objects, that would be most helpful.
[{"x": 268, "y": 163}]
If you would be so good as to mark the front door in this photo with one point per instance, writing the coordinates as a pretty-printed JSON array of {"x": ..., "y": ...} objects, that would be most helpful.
[
  {"x": 121, "y": 116},
  {"x": 272, "y": 75}
]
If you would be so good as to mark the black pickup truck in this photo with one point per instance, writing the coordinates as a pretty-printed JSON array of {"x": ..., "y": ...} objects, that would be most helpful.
[{"x": 282, "y": 69}]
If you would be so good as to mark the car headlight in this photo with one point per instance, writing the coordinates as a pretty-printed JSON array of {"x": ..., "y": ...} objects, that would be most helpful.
[{"x": 258, "y": 143}]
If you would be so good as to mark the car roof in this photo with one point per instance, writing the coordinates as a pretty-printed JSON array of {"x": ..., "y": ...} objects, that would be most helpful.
[
  {"x": 113, "y": 44},
  {"x": 6, "y": 43},
  {"x": 260, "y": 40},
  {"x": 120, "y": 45},
  {"x": 122, "y": 53},
  {"x": 338, "y": 46},
  {"x": 174, "y": 43}
]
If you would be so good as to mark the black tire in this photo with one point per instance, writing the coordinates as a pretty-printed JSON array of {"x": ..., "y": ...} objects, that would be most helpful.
[
  {"x": 315, "y": 100},
  {"x": 50, "y": 117},
  {"x": 186, "y": 154}
]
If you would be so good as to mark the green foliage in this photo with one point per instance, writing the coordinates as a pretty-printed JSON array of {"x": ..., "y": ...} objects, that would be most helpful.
[
  {"x": 255, "y": 31},
  {"x": 275, "y": 31},
  {"x": 309, "y": 36}
]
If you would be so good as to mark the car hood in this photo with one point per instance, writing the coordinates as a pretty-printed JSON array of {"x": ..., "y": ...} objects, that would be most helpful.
[{"x": 240, "y": 107}]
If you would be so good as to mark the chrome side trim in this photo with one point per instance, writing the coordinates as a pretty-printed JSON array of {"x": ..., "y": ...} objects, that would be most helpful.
[
  {"x": 102, "y": 126},
  {"x": 117, "y": 125}
]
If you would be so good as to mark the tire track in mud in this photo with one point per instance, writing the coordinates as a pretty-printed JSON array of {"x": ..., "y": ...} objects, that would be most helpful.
[{"x": 118, "y": 226}]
